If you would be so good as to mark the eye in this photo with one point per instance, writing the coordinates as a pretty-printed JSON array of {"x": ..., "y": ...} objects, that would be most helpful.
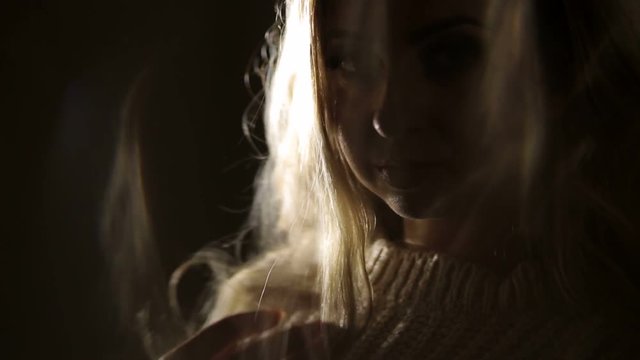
[
  {"x": 337, "y": 62},
  {"x": 361, "y": 66},
  {"x": 448, "y": 57}
]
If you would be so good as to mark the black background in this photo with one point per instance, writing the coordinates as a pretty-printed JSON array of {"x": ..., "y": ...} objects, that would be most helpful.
[{"x": 66, "y": 68}]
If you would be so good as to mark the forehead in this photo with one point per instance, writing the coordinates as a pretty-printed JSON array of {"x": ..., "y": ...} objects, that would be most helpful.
[{"x": 398, "y": 15}]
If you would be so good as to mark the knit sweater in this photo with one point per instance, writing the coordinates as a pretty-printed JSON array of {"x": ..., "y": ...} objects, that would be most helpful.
[{"x": 429, "y": 306}]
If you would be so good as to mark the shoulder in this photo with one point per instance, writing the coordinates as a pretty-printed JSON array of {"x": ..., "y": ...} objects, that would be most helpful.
[{"x": 283, "y": 279}]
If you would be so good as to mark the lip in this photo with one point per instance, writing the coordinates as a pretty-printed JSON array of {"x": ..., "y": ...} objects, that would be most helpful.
[
  {"x": 411, "y": 165},
  {"x": 400, "y": 181},
  {"x": 407, "y": 178}
]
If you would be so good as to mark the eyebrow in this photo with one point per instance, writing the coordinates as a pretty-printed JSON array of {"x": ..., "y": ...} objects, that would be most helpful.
[
  {"x": 348, "y": 34},
  {"x": 442, "y": 25},
  {"x": 415, "y": 36}
]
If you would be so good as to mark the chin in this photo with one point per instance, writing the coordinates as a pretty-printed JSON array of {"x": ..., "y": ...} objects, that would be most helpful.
[{"x": 417, "y": 206}]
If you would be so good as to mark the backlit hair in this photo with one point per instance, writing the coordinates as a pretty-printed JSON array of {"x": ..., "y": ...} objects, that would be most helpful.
[{"x": 576, "y": 163}]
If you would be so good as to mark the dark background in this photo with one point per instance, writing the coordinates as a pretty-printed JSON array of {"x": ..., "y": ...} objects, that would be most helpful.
[{"x": 66, "y": 68}]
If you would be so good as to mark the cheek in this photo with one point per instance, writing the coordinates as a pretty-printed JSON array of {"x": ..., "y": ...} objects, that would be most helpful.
[
  {"x": 457, "y": 112},
  {"x": 355, "y": 132}
]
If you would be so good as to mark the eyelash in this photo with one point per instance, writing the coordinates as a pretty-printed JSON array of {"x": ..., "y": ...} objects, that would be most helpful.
[
  {"x": 337, "y": 62},
  {"x": 445, "y": 59},
  {"x": 365, "y": 67}
]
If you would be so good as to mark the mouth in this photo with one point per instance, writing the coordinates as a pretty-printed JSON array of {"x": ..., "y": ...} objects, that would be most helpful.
[
  {"x": 409, "y": 160},
  {"x": 412, "y": 165},
  {"x": 411, "y": 176}
]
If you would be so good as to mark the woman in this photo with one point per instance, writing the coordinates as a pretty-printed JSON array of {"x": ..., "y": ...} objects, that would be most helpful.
[{"x": 445, "y": 179}]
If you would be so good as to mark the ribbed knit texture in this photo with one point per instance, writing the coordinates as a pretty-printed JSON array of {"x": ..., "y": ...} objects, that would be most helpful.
[{"x": 429, "y": 306}]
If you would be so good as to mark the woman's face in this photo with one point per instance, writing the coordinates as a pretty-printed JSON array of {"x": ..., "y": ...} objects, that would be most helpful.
[{"x": 404, "y": 78}]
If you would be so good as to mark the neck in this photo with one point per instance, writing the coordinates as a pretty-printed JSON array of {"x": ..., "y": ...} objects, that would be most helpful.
[
  {"x": 492, "y": 241},
  {"x": 433, "y": 234},
  {"x": 492, "y": 246}
]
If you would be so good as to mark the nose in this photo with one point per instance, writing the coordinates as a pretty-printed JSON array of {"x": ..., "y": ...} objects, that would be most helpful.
[
  {"x": 383, "y": 105},
  {"x": 380, "y": 128},
  {"x": 393, "y": 113}
]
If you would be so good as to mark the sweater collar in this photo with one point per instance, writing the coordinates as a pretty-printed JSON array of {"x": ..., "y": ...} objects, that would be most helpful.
[{"x": 406, "y": 275}]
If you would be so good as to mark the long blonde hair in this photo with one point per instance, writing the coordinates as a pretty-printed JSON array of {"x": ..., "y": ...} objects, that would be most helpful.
[
  {"x": 308, "y": 198},
  {"x": 561, "y": 196},
  {"x": 311, "y": 196}
]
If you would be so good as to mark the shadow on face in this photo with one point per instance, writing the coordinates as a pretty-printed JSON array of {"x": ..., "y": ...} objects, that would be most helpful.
[{"x": 404, "y": 79}]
